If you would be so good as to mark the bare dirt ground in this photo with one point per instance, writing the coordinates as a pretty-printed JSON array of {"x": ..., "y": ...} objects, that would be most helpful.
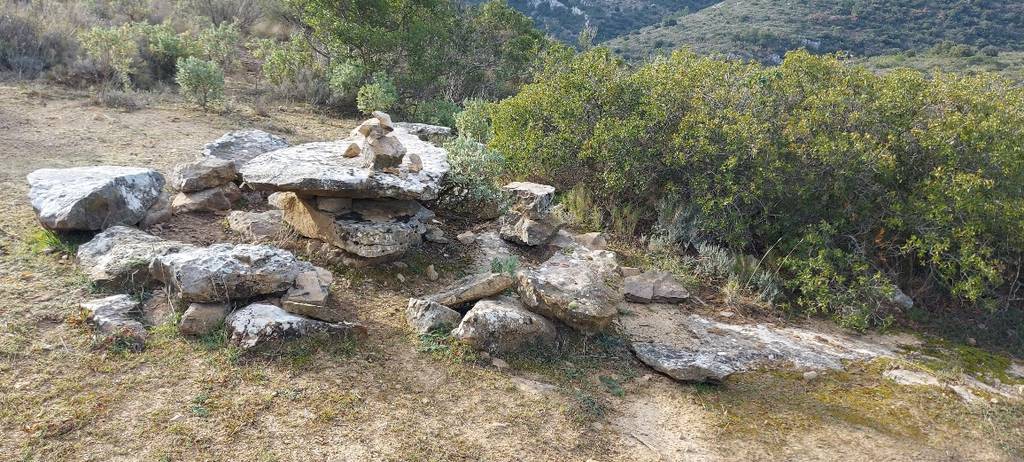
[{"x": 392, "y": 397}]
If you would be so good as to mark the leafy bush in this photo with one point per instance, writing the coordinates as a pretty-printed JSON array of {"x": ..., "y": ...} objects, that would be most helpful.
[
  {"x": 201, "y": 81},
  {"x": 471, "y": 186},
  {"x": 115, "y": 48},
  {"x": 243, "y": 13},
  {"x": 219, "y": 44},
  {"x": 381, "y": 95},
  {"x": 846, "y": 181},
  {"x": 28, "y": 49},
  {"x": 474, "y": 121},
  {"x": 435, "y": 112},
  {"x": 281, "y": 62}
]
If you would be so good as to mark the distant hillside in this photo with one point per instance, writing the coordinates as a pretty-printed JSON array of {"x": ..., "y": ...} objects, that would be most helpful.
[
  {"x": 766, "y": 29},
  {"x": 564, "y": 19}
]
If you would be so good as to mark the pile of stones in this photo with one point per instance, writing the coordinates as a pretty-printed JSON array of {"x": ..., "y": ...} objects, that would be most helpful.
[{"x": 360, "y": 195}]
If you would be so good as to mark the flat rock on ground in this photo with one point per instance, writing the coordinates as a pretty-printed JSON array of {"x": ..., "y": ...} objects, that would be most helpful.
[
  {"x": 119, "y": 257},
  {"x": 575, "y": 286},
  {"x": 205, "y": 173},
  {"x": 472, "y": 288},
  {"x": 258, "y": 324},
  {"x": 692, "y": 348},
  {"x": 203, "y": 318},
  {"x": 654, "y": 287},
  {"x": 242, "y": 146},
  {"x": 114, "y": 316},
  {"x": 215, "y": 199},
  {"x": 223, "y": 272},
  {"x": 93, "y": 198},
  {"x": 503, "y": 325},
  {"x": 425, "y": 316},
  {"x": 310, "y": 295},
  {"x": 322, "y": 169},
  {"x": 258, "y": 225}
]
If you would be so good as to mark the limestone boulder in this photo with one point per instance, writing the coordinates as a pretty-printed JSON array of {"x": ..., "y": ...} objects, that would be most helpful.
[
  {"x": 259, "y": 324},
  {"x": 531, "y": 199},
  {"x": 205, "y": 173},
  {"x": 223, "y": 272},
  {"x": 115, "y": 317},
  {"x": 216, "y": 199},
  {"x": 93, "y": 198},
  {"x": 203, "y": 318},
  {"x": 310, "y": 295},
  {"x": 502, "y": 325},
  {"x": 158, "y": 213},
  {"x": 242, "y": 146},
  {"x": 529, "y": 220},
  {"x": 322, "y": 169},
  {"x": 119, "y": 257},
  {"x": 654, "y": 287},
  {"x": 527, "y": 231},
  {"x": 472, "y": 288},
  {"x": 425, "y": 316},
  {"x": 692, "y": 348},
  {"x": 575, "y": 287},
  {"x": 258, "y": 225},
  {"x": 432, "y": 133}
]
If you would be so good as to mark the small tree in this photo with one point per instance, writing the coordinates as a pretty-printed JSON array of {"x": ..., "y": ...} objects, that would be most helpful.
[
  {"x": 201, "y": 81},
  {"x": 381, "y": 95}
]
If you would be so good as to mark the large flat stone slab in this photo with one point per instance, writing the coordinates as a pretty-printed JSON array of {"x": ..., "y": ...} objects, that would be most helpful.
[
  {"x": 693, "y": 348},
  {"x": 119, "y": 257},
  {"x": 575, "y": 286},
  {"x": 503, "y": 325},
  {"x": 93, "y": 198},
  {"x": 242, "y": 146},
  {"x": 322, "y": 169},
  {"x": 259, "y": 324}
]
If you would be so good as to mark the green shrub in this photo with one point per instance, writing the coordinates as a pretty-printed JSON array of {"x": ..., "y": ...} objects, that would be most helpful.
[
  {"x": 847, "y": 181},
  {"x": 345, "y": 78},
  {"x": 435, "y": 112},
  {"x": 114, "y": 48},
  {"x": 202, "y": 82},
  {"x": 474, "y": 121},
  {"x": 381, "y": 95},
  {"x": 281, "y": 62},
  {"x": 219, "y": 44},
  {"x": 471, "y": 186}
]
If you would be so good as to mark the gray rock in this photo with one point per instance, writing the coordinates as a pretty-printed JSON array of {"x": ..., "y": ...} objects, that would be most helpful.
[
  {"x": 388, "y": 153},
  {"x": 432, "y": 273},
  {"x": 654, "y": 287},
  {"x": 203, "y": 318},
  {"x": 258, "y": 225},
  {"x": 93, "y": 198},
  {"x": 467, "y": 237},
  {"x": 902, "y": 300},
  {"x": 277, "y": 200},
  {"x": 259, "y": 324},
  {"x": 592, "y": 241},
  {"x": 524, "y": 230},
  {"x": 333, "y": 205},
  {"x": 242, "y": 146},
  {"x": 531, "y": 199},
  {"x": 114, "y": 316},
  {"x": 909, "y": 377},
  {"x": 321, "y": 169},
  {"x": 432, "y": 133},
  {"x": 119, "y": 257},
  {"x": 693, "y": 348},
  {"x": 436, "y": 235},
  {"x": 225, "y": 272},
  {"x": 158, "y": 213},
  {"x": 574, "y": 287},
  {"x": 529, "y": 221},
  {"x": 205, "y": 173},
  {"x": 310, "y": 296},
  {"x": 425, "y": 316},
  {"x": 503, "y": 325},
  {"x": 472, "y": 288},
  {"x": 208, "y": 200}
]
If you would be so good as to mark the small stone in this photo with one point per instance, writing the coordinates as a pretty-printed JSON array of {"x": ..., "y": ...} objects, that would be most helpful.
[
  {"x": 400, "y": 265},
  {"x": 654, "y": 287},
  {"x": 435, "y": 235},
  {"x": 353, "y": 150},
  {"x": 503, "y": 325},
  {"x": 257, "y": 225},
  {"x": 467, "y": 237},
  {"x": 592, "y": 241},
  {"x": 400, "y": 277},
  {"x": 432, "y": 273},
  {"x": 628, "y": 271},
  {"x": 258, "y": 323},
  {"x": 472, "y": 288},
  {"x": 205, "y": 173},
  {"x": 425, "y": 316},
  {"x": 202, "y": 318},
  {"x": 810, "y": 375},
  {"x": 114, "y": 317},
  {"x": 158, "y": 213},
  {"x": 726, "y": 314},
  {"x": 208, "y": 200},
  {"x": 310, "y": 296},
  {"x": 971, "y": 341},
  {"x": 385, "y": 120},
  {"x": 499, "y": 363}
]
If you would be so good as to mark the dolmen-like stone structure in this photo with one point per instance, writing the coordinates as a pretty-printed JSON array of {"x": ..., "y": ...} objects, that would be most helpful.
[{"x": 362, "y": 194}]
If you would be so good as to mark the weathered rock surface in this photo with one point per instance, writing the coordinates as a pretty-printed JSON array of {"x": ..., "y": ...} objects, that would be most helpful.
[
  {"x": 205, "y": 173},
  {"x": 692, "y": 348},
  {"x": 242, "y": 146},
  {"x": 208, "y": 200},
  {"x": 529, "y": 220},
  {"x": 115, "y": 316},
  {"x": 333, "y": 205},
  {"x": 93, "y": 198},
  {"x": 425, "y": 316},
  {"x": 259, "y": 324},
  {"x": 592, "y": 241},
  {"x": 503, "y": 325},
  {"x": 433, "y": 133},
  {"x": 258, "y": 225},
  {"x": 310, "y": 296},
  {"x": 223, "y": 272},
  {"x": 472, "y": 288},
  {"x": 574, "y": 287},
  {"x": 322, "y": 169},
  {"x": 119, "y": 257},
  {"x": 158, "y": 213},
  {"x": 203, "y": 318},
  {"x": 654, "y": 287}
]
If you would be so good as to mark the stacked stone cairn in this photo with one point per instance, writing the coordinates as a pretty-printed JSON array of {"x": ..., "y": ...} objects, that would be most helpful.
[{"x": 358, "y": 198}]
